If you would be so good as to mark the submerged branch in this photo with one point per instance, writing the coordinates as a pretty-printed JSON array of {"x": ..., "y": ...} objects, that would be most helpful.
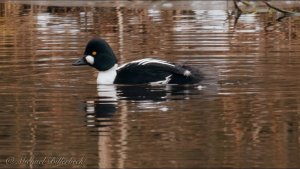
[
  {"x": 237, "y": 6},
  {"x": 284, "y": 13},
  {"x": 278, "y": 9},
  {"x": 238, "y": 12}
]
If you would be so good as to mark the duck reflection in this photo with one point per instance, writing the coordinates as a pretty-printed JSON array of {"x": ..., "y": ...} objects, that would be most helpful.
[{"x": 101, "y": 110}]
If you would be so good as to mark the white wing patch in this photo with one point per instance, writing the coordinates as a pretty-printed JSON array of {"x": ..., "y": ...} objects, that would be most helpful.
[
  {"x": 162, "y": 82},
  {"x": 147, "y": 61},
  {"x": 187, "y": 73}
]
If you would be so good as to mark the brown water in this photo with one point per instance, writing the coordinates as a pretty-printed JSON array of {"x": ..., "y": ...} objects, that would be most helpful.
[{"x": 51, "y": 110}]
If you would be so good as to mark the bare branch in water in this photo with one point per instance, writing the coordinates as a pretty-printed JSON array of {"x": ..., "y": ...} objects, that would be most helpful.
[
  {"x": 278, "y": 9},
  {"x": 238, "y": 12},
  {"x": 284, "y": 13},
  {"x": 237, "y": 6}
]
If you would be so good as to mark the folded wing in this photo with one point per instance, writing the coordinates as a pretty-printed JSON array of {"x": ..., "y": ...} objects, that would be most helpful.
[{"x": 156, "y": 71}]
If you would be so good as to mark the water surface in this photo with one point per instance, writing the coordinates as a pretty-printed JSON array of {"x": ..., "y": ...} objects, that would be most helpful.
[{"x": 248, "y": 118}]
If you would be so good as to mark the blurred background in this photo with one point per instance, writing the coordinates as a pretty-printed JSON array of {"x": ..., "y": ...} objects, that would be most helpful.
[{"x": 248, "y": 117}]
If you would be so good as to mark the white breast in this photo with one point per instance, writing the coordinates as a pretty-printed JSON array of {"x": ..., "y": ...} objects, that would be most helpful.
[{"x": 108, "y": 76}]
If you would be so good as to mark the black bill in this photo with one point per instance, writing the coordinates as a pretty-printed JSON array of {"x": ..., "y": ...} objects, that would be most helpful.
[{"x": 79, "y": 62}]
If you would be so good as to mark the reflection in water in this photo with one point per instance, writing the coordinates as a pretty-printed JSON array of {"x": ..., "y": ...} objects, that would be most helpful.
[
  {"x": 250, "y": 119},
  {"x": 101, "y": 110},
  {"x": 100, "y": 114}
]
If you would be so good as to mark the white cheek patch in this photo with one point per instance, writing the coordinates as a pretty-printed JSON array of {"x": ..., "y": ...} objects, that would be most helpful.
[{"x": 89, "y": 59}]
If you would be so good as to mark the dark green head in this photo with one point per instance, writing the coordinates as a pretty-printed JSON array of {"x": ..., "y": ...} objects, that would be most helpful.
[{"x": 98, "y": 54}]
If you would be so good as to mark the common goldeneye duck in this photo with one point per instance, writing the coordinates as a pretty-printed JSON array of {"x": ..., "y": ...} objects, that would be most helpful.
[{"x": 100, "y": 55}]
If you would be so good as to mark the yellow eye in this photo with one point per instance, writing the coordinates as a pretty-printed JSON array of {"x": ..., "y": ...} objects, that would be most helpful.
[{"x": 94, "y": 53}]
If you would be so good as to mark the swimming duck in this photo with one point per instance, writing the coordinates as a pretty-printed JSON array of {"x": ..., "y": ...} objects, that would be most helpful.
[{"x": 100, "y": 55}]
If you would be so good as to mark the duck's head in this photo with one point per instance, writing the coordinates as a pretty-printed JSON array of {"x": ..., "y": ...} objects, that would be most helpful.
[{"x": 98, "y": 54}]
